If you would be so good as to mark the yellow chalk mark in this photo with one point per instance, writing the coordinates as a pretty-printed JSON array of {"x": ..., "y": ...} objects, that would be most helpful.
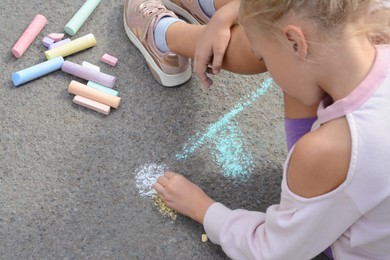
[{"x": 163, "y": 208}]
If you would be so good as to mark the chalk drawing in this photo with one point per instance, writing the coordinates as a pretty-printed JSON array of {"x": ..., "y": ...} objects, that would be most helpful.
[
  {"x": 226, "y": 144},
  {"x": 230, "y": 152},
  {"x": 146, "y": 176},
  {"x": 163, "y": 208},
  {"x": 225, "y": 136}
]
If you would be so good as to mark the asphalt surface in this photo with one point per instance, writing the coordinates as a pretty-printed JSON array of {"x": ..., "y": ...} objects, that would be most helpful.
[{"x": 68, "y": 175}]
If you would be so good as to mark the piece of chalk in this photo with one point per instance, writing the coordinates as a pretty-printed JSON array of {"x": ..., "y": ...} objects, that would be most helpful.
[
  {"x": 56, "y": 36},
  {"x": 111, "y": 60},
  {"x": 57, "y": 44},
  {"x": 72, "y": 47},
  {"x": 80, "y": 89},
  {"x": 102, "y": 88},
  {"x": 90, "y": 65},
  {"x": 81, "y": 16},
  {"x": 88, "y": 74},
  {"x": 91, "y": 104},
  {"x": 47, "y": 42},
  {"x": 39, "y": 70},
  {"x": 29, "y": 35}
]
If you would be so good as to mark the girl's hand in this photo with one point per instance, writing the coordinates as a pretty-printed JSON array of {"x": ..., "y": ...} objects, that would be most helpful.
[
  {"x": 183, "y": 196},
  {"x": 213, "y": 42}
]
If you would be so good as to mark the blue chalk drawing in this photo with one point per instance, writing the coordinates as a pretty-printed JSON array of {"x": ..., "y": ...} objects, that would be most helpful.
[
  {"x": 230, "y": 152},
  {"x": 226, "y": 141}
]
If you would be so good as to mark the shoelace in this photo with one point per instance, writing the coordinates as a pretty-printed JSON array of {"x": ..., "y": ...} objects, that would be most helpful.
[
  {"x": 150, "y": 7},
  {"x": 150, "y": 10}
]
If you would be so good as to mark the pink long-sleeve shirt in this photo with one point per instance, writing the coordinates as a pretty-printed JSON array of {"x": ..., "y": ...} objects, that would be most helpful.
[{"x": 354, "y": 218}]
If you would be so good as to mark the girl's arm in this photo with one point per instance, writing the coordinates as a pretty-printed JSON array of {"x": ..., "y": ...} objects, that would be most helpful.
[
  {"x": 214, "y": 41},
  {"x": 301, "y": 226}
]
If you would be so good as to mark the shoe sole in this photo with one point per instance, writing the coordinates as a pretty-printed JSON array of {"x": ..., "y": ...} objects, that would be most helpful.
[
  {"x": 167, "y": 80},
  {"x": 178, "y": 10}
]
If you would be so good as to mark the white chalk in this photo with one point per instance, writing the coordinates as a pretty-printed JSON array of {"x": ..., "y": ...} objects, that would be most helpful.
[{"x": 90, "y": 66}]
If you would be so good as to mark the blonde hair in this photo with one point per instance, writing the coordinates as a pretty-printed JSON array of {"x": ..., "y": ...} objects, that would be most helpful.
[{"x": 329, "y": 16}]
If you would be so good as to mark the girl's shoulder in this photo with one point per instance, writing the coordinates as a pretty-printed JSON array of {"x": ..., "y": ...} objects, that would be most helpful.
[{"x": 320, "y": 160}]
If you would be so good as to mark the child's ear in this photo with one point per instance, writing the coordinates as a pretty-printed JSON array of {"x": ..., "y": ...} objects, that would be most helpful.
[{"x": 296, "y": 40}]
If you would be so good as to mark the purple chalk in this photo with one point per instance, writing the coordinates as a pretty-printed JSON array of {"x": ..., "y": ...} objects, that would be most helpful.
[
  {"x": 47, "y": 42},
  {"x": 88, "y": 74},
  {"x": 56, "y": 44}
]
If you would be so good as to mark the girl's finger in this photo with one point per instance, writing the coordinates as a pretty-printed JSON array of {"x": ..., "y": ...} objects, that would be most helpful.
[
  {"x": 162, "y": 180},
  {"x": 169, "y": 174},
  {"x": 158, "y": 188},
  {"x": 217, "y": 62}
]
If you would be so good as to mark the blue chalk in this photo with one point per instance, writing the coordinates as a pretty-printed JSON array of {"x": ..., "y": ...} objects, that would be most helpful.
[
  {"x": 102, "y": 88},
  {"x": 39, "y": 70}
]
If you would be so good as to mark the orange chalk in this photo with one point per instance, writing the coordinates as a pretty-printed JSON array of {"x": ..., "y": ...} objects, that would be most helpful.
[
  {"x": 29, "y": 35},
  {"x": 93, "y": 105},
  {"x": 80, "y": 89}
]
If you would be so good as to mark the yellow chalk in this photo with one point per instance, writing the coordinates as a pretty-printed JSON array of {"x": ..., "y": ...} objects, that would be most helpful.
[
  {"x": 204, "y": 238},
  {"x": 72, "y": 47},
  {"x": 163, "y": 208}
]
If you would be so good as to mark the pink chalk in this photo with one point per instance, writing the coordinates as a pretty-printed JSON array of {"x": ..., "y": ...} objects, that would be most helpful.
[
  {"x": 56, "y": 37},
  {"x": 47, "y": 42},
  {"x": 91, "y": 104},
  {"x": 111, "y": 60},
  {"x": 29, "y": 35},
  {"x": 56, "y": 44}
]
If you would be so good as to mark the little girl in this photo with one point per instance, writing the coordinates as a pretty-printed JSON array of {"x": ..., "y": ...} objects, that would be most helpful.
[{"x": 336, "y": 180}]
